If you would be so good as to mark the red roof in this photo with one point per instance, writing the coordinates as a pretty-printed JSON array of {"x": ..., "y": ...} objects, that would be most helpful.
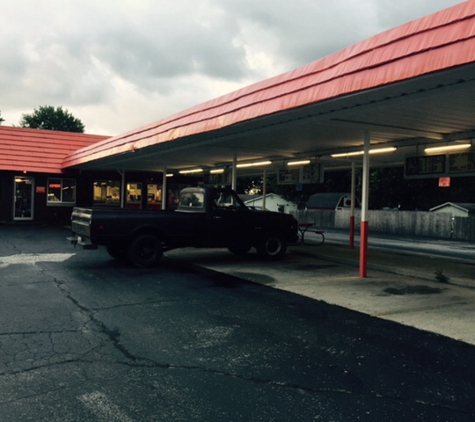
[
  {"x": 39, "y": 150},
  {"x": 437, "y": 42}
]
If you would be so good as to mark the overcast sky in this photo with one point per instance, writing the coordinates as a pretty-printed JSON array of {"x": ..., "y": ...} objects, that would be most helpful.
[{"x": 119, "y": 64}]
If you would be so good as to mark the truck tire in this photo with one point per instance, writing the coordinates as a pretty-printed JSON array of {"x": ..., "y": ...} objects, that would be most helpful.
[
  {"x": 145, "y": 251},
  {"x": 272, "y": 246}
]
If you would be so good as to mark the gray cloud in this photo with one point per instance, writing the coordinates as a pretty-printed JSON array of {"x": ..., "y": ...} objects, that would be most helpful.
[{"x": 119, "y": 62}]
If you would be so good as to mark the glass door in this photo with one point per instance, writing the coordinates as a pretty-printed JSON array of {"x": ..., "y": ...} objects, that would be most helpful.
[{"x": 23, "y": 199}]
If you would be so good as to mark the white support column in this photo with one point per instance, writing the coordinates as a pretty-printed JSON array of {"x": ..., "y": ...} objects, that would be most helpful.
[
  {"x": 364, "y": 207},
  {"x": 264, "y": 189},
  {"x": 352, "y": 210},
  {"x": 234, "y": 173},
  {"x": 164, "y": 190},
  {"x": 123, "y": 189}
]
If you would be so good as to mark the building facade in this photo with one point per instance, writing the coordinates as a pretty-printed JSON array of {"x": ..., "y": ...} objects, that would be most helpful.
[{"x": 34, "y": 186}]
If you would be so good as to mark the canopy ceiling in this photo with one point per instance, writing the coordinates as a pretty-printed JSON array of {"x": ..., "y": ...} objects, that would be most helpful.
[{"x": 409, "y": 87}]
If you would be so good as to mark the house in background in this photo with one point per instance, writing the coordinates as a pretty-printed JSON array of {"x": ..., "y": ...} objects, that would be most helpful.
[
  {"x": 274, "y": 202},
  {"x": 457, "y": 209}
]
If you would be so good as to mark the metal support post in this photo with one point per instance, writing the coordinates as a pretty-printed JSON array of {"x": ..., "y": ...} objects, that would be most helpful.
[
  {"x": 123, "y": 189},
  {"x": 264, "y": 189},
  {"x": 364, "y": 207},
  {"x": 234, "y": 173},
  {"x": 164, "y": 190},
  {"x": 352, "y": 210}
]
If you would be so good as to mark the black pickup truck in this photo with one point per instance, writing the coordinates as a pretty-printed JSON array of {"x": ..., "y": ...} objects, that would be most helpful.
[{"x": 205, "y": 218}]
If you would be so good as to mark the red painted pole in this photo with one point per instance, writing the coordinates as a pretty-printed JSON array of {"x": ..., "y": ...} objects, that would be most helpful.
[
  {"x": 352, "y": 232},
  {"x": 364, "y": 249}
]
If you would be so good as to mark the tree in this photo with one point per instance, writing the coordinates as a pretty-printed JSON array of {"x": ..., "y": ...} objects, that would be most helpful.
[
  {"x": 50, "y": 118},
  {"x": 1, "y": 118}
]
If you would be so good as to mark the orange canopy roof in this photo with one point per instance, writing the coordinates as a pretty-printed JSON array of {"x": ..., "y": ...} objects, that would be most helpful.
[
  {"x": 39, "y": 150},
  {"x": 437, "y": 42}
]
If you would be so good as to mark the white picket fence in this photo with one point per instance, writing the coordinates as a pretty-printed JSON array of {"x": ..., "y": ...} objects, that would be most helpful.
[{"x": 410, "y": 223}]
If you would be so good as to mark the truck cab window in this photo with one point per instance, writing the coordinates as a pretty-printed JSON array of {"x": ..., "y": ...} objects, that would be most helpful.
[
  {"x": 225, "y": 201},
  {"x": 195, "y": 200}
]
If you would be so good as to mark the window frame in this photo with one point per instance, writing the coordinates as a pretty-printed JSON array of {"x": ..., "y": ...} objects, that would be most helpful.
[{"x": 72, "y": 182}]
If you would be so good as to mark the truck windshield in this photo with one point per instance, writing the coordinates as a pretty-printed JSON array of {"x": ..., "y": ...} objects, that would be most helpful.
[{"x": 193, "y": 200}]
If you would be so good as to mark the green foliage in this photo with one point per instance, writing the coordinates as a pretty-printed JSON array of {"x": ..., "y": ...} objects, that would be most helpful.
[
  {"x": 249, "y": 185},
  {"x": 340, "y": 181},
  {"x": 50, "y": 118},
  {"x": 389, "y": 188},
  {"x": 1, "y": 118}
]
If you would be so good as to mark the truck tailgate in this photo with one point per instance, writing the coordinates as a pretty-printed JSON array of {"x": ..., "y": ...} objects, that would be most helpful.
[{"x": 81, "y": 221}]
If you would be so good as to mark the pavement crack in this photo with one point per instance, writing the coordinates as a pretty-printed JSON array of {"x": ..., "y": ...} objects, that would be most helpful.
[
  {"x": 311, "y": 390},
  {"x": 112, "y": 334},
  {"x": 133, "y": 304}
]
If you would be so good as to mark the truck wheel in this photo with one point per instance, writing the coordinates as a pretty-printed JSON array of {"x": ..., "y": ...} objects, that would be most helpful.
[
  {"x": 272, "y": 247},
  {"x": 240, "y": 248},
  {"x": 145, "y": 251}
]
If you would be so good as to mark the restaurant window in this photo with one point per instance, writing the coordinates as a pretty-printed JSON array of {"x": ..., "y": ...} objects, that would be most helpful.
[
  {"x": 154, "y": 197},
  {"x": 134, "y": 195},
  {"x": 61, "y": 191},
  {"x": 106, "y": 192}
]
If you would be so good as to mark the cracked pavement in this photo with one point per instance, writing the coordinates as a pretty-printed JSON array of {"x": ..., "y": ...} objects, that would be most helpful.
[{"x": 89, "y": 339}]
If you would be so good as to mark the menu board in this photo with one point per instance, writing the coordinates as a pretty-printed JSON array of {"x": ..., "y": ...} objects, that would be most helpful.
[
  {"x": 311, "y": 173},
  {"x": 289, "y": 176},
  {"x": 425, "y": 165},
  {"x": 307, "y": 174},
  {"x": 462, "y": 163},
  {"x": 459, "y": 164},
  {"x": 217, "y": 179}
]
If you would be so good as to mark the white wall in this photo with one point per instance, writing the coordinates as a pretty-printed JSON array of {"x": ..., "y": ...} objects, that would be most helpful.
[
  {"x": 456, "y": 212},
  {"x": 273, "y": 203}
]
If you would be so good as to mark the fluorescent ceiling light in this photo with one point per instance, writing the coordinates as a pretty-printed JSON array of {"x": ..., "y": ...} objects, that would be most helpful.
[
  {"x": 382, "y": 150},
  {"x": 257, "y": 164},
  {"x": 346, "y": 154},
  {"x": 190, "y": 171},
  {"x": 216, "y": 171},
  {"x": 298, "y": 163},
  {"x": 371, "y": 151},
  {"x": 445, "y": 148},
  {"x": 170, "y": 175}
]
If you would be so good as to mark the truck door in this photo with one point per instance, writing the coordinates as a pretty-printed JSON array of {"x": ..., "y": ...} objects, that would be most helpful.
[{"x": 228, "y": 219}]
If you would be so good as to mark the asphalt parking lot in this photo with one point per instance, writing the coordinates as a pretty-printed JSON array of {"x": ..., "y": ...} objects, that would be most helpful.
[
  {"x": 401, "y": 286},
  {"x": 84, "y": 337}
]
